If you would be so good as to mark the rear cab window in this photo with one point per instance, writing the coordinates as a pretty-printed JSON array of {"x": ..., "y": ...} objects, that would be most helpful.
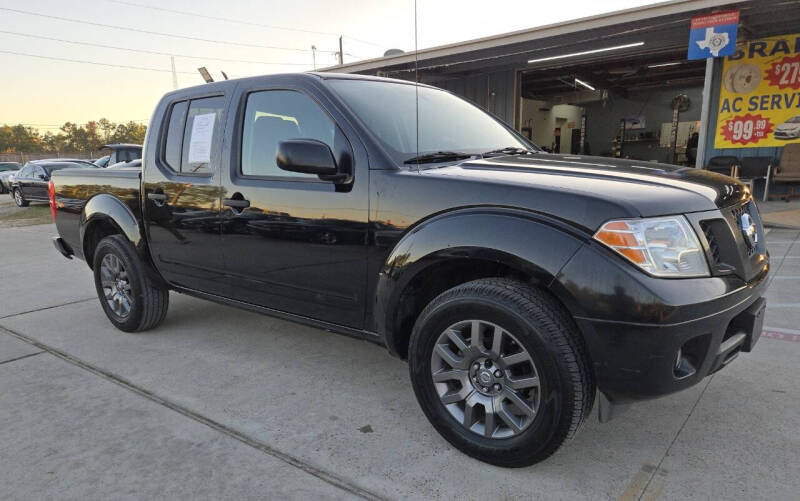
[{"x": 191, "y": 132}]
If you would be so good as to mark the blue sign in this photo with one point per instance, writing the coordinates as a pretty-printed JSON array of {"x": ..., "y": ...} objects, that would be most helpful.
[{"x": 713, "y": 35}]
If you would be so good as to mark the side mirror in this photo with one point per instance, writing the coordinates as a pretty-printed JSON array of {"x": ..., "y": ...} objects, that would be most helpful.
[
  {"x": 43, "y": 177},
  {"x": 308, "y": 156}
]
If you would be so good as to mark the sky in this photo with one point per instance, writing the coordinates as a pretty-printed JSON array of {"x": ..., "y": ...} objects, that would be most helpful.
[{"x": 244, "y": 38}]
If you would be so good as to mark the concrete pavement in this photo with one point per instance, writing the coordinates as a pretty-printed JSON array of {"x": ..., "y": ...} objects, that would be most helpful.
[{"x": 218, "y": 402}]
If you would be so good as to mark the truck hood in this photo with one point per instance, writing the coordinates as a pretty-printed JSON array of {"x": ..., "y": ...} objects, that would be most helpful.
[{"x": 639, "y": 188}]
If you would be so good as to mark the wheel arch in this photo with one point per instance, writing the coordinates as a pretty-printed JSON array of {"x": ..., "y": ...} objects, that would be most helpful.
[
  {"x": 105, "y": 215},
  {"x": 461, "y": 246}
]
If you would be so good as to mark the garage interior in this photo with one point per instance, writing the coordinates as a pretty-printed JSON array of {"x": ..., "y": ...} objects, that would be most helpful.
[{"x": 622, "y": 107}]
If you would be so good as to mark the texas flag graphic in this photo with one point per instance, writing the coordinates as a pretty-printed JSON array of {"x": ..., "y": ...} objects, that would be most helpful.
[{"x": 713, "y": 35}]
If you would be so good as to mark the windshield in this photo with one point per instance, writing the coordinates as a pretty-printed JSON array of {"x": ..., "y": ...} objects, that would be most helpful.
[
  {"x": 8, "y": 167},
  {"x": 446, "y": 122},
  {"x": 793, "y": 120}
]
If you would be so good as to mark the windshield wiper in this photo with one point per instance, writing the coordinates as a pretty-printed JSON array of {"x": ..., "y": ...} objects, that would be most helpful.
[
  {"x": 439, "y": 156},
  {"x": 509, "y": 150}
]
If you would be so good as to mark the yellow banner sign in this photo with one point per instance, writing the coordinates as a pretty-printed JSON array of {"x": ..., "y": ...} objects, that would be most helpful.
[{"x": 759, "y": 104}]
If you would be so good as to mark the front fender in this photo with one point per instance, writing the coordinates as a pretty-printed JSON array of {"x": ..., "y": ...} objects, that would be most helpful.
[
  {"x": 107, "y": 208},
  {"x": 534, "y": 245}
]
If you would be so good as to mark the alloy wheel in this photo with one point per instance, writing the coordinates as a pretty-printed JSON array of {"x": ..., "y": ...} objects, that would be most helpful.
[
  {"x": 116, "y": 286},
  {"x": 485, "y": 379},
  {"x": 18, "y": 198}
]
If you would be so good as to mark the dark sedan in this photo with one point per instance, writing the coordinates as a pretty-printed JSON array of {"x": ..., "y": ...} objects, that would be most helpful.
[
  {"x": 6, "y": 169},
  {"x": 30, "y": 183}
]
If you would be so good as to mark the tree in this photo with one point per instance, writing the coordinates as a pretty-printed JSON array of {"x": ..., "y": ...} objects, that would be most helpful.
[
  {"x": 54, "y": 142},
  {"x": 130, "y": 132},
  {"x": 107, "y": 127},
  {"x": 73, "y": 137}
]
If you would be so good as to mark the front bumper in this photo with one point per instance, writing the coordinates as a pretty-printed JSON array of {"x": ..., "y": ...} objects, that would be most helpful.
[
  {"x": 636, "y": 362},
  {"x": 637, "y": 328}
]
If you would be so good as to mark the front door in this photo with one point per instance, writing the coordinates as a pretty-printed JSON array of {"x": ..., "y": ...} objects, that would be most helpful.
[
  {"x": 292, "y": 242},
  {"x": 183, "y": 195}
]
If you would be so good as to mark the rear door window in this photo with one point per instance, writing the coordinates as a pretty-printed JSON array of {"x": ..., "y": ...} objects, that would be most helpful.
[
  {"x": 174, "y": 140},
  {"x": 203, "y": 127}
]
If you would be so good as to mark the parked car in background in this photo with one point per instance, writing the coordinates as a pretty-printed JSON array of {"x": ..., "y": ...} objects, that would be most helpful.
[
  {"x": 120, "y": 152},
  {"x": 7, "y": 169},
  {"x": 88, "y": 163},
  {"x": 30, "y": 183}
]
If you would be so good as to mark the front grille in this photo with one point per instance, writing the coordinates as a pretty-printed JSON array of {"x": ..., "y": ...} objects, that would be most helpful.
[
  {"x": 737, "y": 217},
  {"x": 728, "y": 250},
  {"x": 713, "y": 245}
]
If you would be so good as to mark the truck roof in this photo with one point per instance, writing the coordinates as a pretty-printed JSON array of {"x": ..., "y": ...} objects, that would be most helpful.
[{"x": 225, "y": 84}]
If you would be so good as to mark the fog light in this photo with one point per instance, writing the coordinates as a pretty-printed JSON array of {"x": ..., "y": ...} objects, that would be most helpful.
[{"x": 683, "y": 367}]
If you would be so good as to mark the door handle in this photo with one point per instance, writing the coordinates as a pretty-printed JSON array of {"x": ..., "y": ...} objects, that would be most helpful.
[
  {"x": 159, "y": 199},
  {"x": 236, "y": 203}
]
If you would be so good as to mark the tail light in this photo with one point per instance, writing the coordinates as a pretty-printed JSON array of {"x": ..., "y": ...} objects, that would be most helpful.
[{"x": 51, "y": 193}]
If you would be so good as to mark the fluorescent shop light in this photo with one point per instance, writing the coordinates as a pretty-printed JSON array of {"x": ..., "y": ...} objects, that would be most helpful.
[
  {"x": 661, "y": 65},
  {"x": 581, "y": 82},
  {"x": 583, "y": 53}
]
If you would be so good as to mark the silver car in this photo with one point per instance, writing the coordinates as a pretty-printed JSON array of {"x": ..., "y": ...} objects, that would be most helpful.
[
  {"x": 7, "y": 170},
  {"x": 789, "y": 129}
]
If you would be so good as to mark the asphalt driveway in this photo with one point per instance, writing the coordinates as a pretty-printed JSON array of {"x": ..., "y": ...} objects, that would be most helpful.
[{"x": 222, "y": 403}]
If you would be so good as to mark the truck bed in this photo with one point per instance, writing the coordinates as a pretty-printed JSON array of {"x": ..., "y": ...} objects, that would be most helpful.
[{"x": 76, "y": 187}]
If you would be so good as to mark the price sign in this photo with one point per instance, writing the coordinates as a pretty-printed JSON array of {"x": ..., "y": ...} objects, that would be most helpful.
[
  {"x": 747, "y": 129},
  {"x": 759, "y": 99},
  {"x": 785, "y": 74}
]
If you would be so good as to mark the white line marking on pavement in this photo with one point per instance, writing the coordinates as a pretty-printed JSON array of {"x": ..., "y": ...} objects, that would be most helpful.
[{"x": 782, "y": 329}]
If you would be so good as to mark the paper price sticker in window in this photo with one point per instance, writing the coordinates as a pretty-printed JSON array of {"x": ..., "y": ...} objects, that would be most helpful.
[{"x": 200, "y": 143}]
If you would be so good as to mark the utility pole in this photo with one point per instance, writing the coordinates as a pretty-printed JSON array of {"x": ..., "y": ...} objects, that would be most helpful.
[
  {"x": 314, "y": 56},
  {"x": 341, "y": 52},
  {"x": 174, "y": 73}
]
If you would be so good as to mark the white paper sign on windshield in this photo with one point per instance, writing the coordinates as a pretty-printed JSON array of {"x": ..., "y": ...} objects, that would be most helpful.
[{"x": 200, "y": 144}]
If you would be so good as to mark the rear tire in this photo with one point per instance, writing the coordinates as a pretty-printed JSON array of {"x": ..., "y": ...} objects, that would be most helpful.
[
  {"x": 19, "y": 199},
  {"x": 535, "y": 381},
  {"x": 130, "y": 299}
]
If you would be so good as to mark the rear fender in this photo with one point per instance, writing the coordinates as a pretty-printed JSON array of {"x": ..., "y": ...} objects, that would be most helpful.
[{"x": 110, "y": 209}]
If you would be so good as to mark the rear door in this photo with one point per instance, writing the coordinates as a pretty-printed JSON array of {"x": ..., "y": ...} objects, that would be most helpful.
[
  {"x": 299, "y": 245},
  {"x": 182, "y": 193}
]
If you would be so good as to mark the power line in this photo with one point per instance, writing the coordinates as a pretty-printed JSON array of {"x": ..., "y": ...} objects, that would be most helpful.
[
  {"x": 73, "y": 123},
  {"x": 145, "y": 51},
  {"x": 240, "y": 21},
  {"x": 94, "y": 62},
  {"x": 148, "y": 32}
]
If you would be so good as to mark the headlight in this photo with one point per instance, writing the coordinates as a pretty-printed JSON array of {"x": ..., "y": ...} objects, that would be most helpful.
[{"x": 661, "y": 246}]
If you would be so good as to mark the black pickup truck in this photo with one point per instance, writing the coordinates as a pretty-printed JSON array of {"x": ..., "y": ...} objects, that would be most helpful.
[{"x": 515, "y": 282}]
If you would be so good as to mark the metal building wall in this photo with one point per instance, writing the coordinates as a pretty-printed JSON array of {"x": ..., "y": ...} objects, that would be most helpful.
[{"x": 493, "y": 92}]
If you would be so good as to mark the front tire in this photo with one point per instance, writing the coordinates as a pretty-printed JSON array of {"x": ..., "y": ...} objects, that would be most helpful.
[
  {"x": 19, "y": 199},
  {"x": 500, "y": 371},
  {"x": 130, "y": 299}
]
